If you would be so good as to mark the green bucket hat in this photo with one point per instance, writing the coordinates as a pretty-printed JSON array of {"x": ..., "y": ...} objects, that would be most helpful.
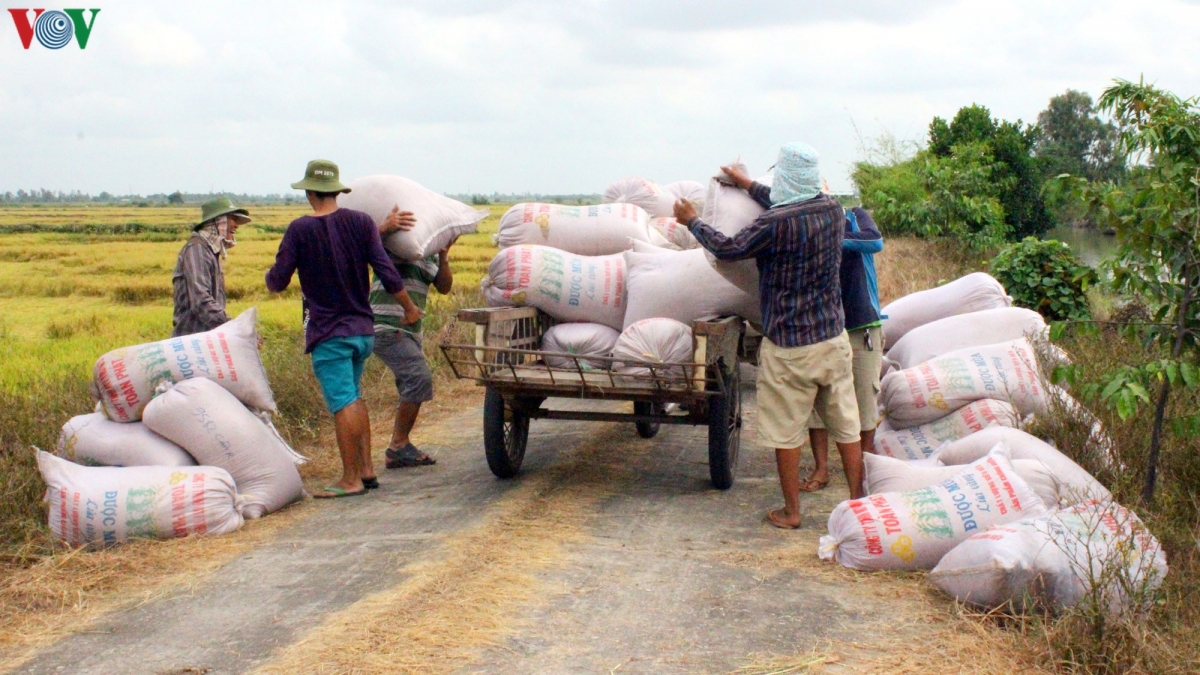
[
  {"x": 221, "y": 206},
  {"x": 321, "y": 176}
]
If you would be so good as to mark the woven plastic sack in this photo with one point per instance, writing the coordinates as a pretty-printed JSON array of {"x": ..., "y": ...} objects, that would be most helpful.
[
  {"x": 885, "y": 474},
  {"x": 913, "y": 530},
  {"x": 674, "y": 232},
  {"x": 1098, "y": 550},
  {"x": 920, "y": 441},
  {"x": 972, "y": 293},
  {"x": 581, "y": 339},
  {"x": 1077, "y": 484},
  {"x": 729, "y": 209},
  {"x": 647, "y": 194},
  {"x": 124, "y": 380},
  {"x": 583, "y": 230},
  {"x": 688, "y": 190},
  {"x": 566, "y": 286},
  {"x": 105, "y": 505},
  {"x": 439, "y": 218},
  {"x": 654, "y": 341},
  {"x": 684, "y": 286},
  {"x": 94, "y": 440},
  {"x": 217, "y": 430},
  {"x": 943, "y": 336},
  {"x": 1006, "y": 371}
]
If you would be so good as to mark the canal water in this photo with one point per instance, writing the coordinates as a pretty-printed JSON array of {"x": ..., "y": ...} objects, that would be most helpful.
[{"x": 1089, "y": 244}]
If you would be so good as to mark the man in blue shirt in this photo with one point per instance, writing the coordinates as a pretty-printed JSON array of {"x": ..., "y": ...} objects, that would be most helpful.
[{"x": 864, "y": 321}]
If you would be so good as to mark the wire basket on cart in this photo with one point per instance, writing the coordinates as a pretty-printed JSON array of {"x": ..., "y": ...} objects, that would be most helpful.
[{"x": 506, "y": 358}]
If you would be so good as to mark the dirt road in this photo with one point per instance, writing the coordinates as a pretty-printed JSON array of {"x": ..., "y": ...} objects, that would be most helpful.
[{"x": 610, "y": 553}]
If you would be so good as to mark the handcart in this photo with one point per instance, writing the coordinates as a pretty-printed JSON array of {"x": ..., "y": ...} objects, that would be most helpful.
[{"x": 507, "y": 359}]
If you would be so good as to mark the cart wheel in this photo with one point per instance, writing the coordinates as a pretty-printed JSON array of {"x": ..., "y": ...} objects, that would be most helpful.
[
  {"x": 725, "y": 428},
  {"x": 505, "y": 433},
  {"x": 647, "y": 429}
]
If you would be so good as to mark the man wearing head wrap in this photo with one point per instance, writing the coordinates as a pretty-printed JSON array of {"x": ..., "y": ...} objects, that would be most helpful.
[
  {"x": 199, "y": 278},
  {"x": 805, "y": 358}
]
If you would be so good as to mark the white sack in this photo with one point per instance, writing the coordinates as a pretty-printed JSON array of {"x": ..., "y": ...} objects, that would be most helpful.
[
  {"x": 972, "y": 293},
  {"x": 943, "y": 336},
  {"x": 108, "y": 505},
  {"x": 1077, "y": 484},
  {"x": 1056, "y": 560},
  {"x": 913, "y": 530},
  {"x": 94, "y": 440},
  {"x": 654, "y": 341},
  {"x": 885, "y": 474},
  {"x": 690, "y": 190},
  {"x": 566, "y": 286},
  {"x": 582, "y": 339},
  {"x": 642, "y": 247},
  {"x": 1006, "y": 371},
  {"x": 920, "y": 441},
  {"x": 729, "y": 209},
  {"x": 675, "y": 232},
  {"x": 218, "y": 430},
  {"x": 685, "y": 286},
  {"x": 647, "y": 194},
  {"x": 584, "y": 230},
  {"x": 439, "y": 218},
  {"x": 124, "y": 380}
]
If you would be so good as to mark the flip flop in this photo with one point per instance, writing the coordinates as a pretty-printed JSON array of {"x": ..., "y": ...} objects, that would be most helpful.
[
  {"x": 779, "y": 524},
  {"x": 371, "y": 483},
  {"x": 406, "y": 457},
  {"x": 812, "y": 485},
  {"x": 334, "y": 492}
]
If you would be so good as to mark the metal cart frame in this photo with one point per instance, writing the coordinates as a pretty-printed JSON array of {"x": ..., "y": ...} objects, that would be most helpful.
[{"x": 507, "y": 359}]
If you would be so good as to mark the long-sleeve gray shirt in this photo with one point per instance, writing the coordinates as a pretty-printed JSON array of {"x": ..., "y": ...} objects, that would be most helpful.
[{"x": 199, "y": 289}]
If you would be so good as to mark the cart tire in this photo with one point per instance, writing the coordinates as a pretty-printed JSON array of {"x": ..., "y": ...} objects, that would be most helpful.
[
  {"x": 646, "y": 429},
  {"x": 725, "y": 428},
  {"x": 505, "y": 433}
]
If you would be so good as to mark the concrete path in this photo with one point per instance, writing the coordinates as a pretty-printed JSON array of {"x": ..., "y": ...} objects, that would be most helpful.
[{"x": 672, "y": 576}]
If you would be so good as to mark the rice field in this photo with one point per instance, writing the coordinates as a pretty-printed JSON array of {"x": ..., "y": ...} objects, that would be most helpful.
[{"x": 78, "y": 281}]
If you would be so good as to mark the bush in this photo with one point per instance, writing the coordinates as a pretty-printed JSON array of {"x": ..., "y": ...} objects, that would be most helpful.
[{"x": 1045, "y": 276}]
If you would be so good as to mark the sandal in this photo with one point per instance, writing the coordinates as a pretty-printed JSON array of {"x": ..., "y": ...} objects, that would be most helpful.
[
  {"x": 773, "y": 520},
  {"x": 812, "y": 485},
  {"x": 371, "y": 483},
  {"x": 335, "y": 492},
  {"x": 406, "y": 457}
]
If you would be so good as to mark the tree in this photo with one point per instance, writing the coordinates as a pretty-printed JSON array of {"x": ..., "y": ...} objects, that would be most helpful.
[
  {"x": 1072, "y": 139},
  {"x": 175, "y": 197},
  {"x": 1157, "y": 223},
  {"x": 1008, "y": 146}
]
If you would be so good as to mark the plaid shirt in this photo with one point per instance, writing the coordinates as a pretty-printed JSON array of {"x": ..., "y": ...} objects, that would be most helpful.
[{"x": 798, "y": 248}]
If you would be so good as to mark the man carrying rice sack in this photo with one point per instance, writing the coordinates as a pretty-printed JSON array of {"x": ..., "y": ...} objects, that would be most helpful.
[
  {"x": 199, "y": 277},
  {"x": 399, "y": 345},
  {"x": 860, "y": 304},
  {"x": 805, "y": 358},
  {"x": 331, "y": 250}
]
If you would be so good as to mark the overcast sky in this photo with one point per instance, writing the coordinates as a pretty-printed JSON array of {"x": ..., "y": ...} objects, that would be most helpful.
[{"x": 540, "y": 96}]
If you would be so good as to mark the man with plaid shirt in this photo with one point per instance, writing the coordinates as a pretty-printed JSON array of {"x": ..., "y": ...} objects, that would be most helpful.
[{"x": 805, "y": 359}]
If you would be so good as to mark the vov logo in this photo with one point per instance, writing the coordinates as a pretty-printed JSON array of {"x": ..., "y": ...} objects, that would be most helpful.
[{"x": 53, "y": 28}]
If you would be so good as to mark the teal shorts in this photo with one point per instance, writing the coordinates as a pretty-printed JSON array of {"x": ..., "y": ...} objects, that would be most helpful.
[{"x": 338, "y": 364}]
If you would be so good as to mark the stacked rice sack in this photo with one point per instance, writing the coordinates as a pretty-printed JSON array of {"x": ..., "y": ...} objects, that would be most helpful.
[
  {"x": 998, "y": 515},
  {"x": 611, "y": 274},
  {"x": 182, "y": 443}
]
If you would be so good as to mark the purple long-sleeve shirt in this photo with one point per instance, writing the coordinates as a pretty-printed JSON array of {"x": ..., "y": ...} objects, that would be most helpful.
[{"x": 331, "y": 254}]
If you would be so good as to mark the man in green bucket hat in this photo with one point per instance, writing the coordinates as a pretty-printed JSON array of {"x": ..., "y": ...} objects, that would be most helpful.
[
  {"x": 199, "y": 277},
  {"x": 331, "y": 250}
]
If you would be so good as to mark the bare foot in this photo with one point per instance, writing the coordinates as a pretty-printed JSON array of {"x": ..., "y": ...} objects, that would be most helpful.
[{"x": 780, "y": 519}]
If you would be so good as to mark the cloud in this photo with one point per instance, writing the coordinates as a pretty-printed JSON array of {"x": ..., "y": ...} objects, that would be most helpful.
[{"x": 531, "y": 95}]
